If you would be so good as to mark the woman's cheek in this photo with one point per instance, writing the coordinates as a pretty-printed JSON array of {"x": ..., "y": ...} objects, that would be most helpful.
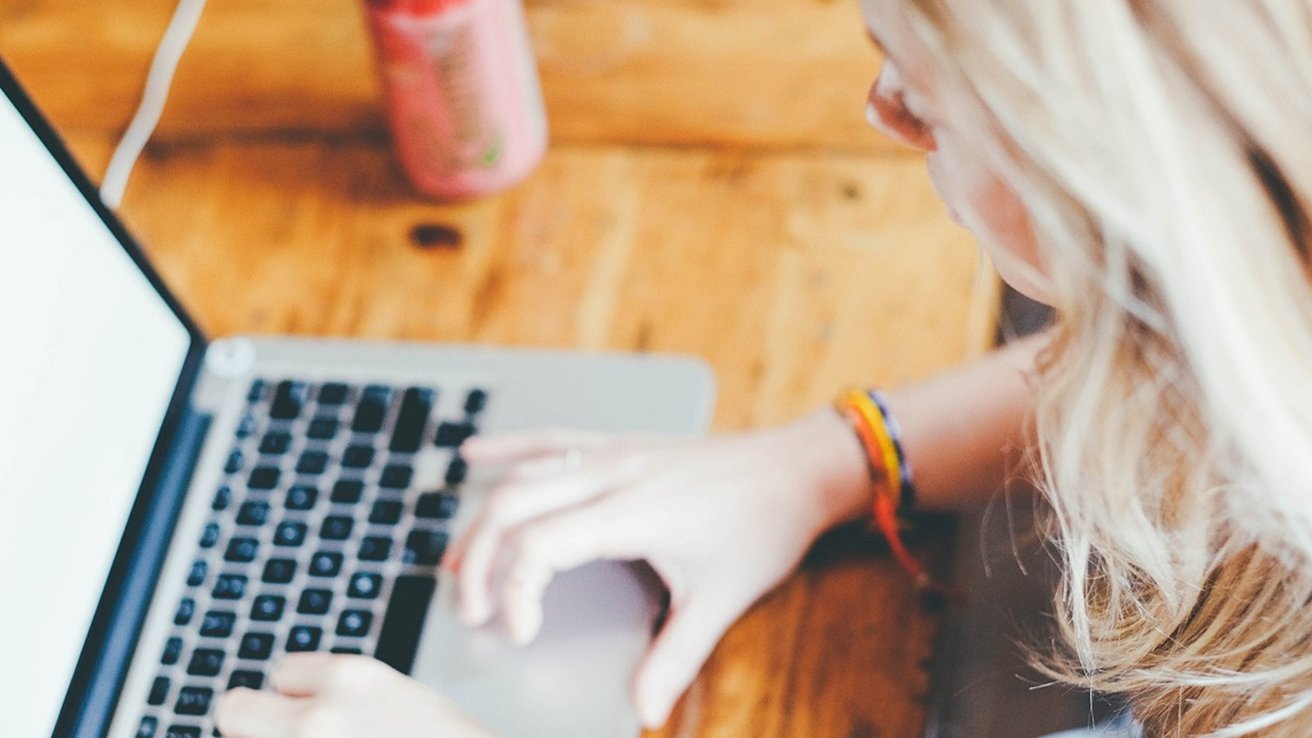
[{"x": 983, "y": 204}]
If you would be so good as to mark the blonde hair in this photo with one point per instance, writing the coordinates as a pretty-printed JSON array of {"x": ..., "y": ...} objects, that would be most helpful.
[{"x": 1163, "y": 151}]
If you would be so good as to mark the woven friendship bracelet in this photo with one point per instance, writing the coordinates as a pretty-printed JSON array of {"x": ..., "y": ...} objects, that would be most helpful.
[
  {"x": 907, "y": 491},
  {"x": 869, "y": 416}
]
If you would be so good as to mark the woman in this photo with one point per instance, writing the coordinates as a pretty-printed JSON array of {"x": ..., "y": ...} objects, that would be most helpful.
[{"x": 1144, "y": 167}]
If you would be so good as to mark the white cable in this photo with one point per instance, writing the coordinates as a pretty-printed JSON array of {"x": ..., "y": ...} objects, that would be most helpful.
[{"x": 139, "y": 131}]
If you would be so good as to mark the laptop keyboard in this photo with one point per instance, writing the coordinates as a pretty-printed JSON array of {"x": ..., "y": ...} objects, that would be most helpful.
[{"x": 322, "y": 537}]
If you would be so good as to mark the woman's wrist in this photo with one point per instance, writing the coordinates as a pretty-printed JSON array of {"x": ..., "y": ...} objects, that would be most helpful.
[{"x": 835, "y": 460}]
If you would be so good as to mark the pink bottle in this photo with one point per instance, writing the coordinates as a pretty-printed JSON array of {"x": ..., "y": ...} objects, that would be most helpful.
[{"x": 462, "y": 90}]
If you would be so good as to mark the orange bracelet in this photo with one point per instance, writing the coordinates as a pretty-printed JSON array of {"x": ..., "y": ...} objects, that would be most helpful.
[{"x": 871, "y": 427}]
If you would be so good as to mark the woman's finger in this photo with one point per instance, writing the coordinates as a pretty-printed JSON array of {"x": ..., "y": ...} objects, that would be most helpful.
[
  {"x": 677, "y": 655},
  {"x": 246, "y": 713},
  {"x": 474, "y": 554},
  {"x": 303, "y": 674},
  {"x": 505, "y": 448},
  {"x": 554, "y": 544}
]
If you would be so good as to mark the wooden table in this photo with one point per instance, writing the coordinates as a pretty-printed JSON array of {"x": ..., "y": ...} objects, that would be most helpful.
[{"x": 712, "y": 188}]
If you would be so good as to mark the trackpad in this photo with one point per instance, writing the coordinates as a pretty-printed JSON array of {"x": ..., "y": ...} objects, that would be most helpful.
[{"x": 573, "y": 680}]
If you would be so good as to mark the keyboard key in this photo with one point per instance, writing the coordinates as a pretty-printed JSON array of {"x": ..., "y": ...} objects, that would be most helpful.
[
  {"x": 242, "y": 550},
  {"x": 194, "y": 701},
  {"x": 457, "y": 471},
  {"x": 364, "y": 586},
  {"x": 315, "y": 602},
  {"x": 336, "y": 528},
  {"x": 333, "y": 393},
  {"x": 222, "y": 498},
  {"x": 182, "y": 731},
  {"x": 289, "y": 533},
  {"x": 256, "y": 646},
  {"x": 253, "y": 513},
  {"x": 424, "y": 547},
  {"x": 416, "y": 405},
  {"x": 147, "y": 727},
  {"x": 246, "y": 426},
  {"x": 301, "y": 497},
  {"x": 234, "y": 462},
  {"x": 268, "y": 608},
  {"x": 375, "y": 548},
  {"x": 288, "y": 400},
  {"x": 385, "y": 512},
  {"x": 186, "y": 610},
  {"x": 279, "y": 571},
  {"x": 325, "y": 564},
  {"x": 209, "y": 536},
  {"x": 256, "y": 392},
  {"x": 475, "y": 401},
  {"x": 371, "y": 410},
  {"x": 159, "y": 691},
  {"x": 396, "y": 476},
  {"x": 303, "y": 638},
  {"x": 437, "y": 505},
  {"x": 322, "y": 429},
  {"x": 358, "y": 456},
  {"x": 264, "y": 477},
  {"x": 354, "y": 623},
  {"x": 196, "y": 576},
  {"x": 451, "y": 435},
  {"x": 276, "y": 443},
  {"x": 350, "y": 650},
  {"x": 246, "y": 678},
  {"x": 229, "y": 587},
  {"x": 205, "y": 662},
  {"x": 217, "y": 624},
  {"x": 403, "y": 621},
  {"x": 347, "y": 491},
  {"x": 172, "y": 651},
  {"x": 312, "y": 462}
]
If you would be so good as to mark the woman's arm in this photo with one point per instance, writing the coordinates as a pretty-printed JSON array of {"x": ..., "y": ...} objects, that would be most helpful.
[{"x": 964, "y": 433}]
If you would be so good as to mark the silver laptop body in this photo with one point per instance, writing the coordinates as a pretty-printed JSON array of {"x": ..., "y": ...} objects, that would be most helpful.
[{"x": 189, "y": 520}]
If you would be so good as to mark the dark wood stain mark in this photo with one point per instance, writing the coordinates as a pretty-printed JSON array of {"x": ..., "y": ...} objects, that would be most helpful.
[
  {"x": 429, "y": 236},
  {"x": 642, "y": 342},
  {"x": 863, "y": 729}
]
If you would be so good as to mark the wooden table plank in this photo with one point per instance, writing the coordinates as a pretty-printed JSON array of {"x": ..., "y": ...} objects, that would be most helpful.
[
  {"x": 791, "y": 274},
  {"x": 769, "y": 73}
]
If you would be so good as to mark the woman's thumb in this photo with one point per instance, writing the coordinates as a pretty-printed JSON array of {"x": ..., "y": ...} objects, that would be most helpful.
[{"x": 676, "y": 656}]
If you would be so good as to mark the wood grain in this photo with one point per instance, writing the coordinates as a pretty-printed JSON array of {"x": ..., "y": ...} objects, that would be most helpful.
[
  {"x": 791, "y": 274},
  {"x": 711, "y": 190}
]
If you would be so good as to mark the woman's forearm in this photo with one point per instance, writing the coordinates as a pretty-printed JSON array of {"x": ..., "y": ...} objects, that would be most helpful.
[{"x": 964, "y": 432}]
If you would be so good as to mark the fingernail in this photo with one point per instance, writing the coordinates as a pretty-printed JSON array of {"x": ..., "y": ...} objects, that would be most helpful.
[
  {"x": 477, "y": 614},
  {"x": 652, "y": 707},
  {"x": 525, "y": 628},
  {"x": 653, "y": 717}
]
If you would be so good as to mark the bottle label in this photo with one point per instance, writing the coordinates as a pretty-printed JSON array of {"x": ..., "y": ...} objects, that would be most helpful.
[{"x": 464, "y": 101}]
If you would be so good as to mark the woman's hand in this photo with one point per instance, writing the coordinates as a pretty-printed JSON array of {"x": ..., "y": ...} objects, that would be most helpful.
[
  {"x": 324, "y": 696},
  {"x": 720, "y": 520}
]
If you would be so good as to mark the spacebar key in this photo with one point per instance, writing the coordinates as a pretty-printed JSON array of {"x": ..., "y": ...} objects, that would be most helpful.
[{"x": 404, "y": 620}]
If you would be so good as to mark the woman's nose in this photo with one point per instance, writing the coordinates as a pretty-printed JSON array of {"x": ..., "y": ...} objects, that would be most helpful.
[{"x": 887, "y": 112}]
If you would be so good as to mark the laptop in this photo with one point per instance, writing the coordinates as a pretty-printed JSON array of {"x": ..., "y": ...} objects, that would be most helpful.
[{"x": 178, "y": 511}]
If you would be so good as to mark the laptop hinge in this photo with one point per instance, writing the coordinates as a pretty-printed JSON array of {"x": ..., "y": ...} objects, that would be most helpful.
[{"x": 111, "y": 643}]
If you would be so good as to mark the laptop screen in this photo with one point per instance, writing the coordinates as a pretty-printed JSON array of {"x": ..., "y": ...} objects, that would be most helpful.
[{"x": 91, "y": 355}]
